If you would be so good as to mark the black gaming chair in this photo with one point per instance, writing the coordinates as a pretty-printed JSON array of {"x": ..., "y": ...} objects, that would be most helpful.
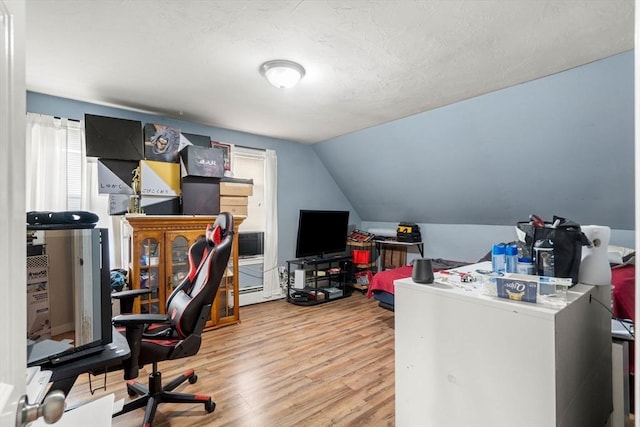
[{"x": 156, "y": 337}]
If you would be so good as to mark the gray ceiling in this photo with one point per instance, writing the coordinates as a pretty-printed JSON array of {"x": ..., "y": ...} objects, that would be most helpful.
[{"x": 367, "y": 62}]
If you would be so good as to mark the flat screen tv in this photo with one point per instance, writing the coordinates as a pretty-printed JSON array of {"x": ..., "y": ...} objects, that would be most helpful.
[
  {"x": 321, "y": 233},
  {"x": 68, "y": 294}
]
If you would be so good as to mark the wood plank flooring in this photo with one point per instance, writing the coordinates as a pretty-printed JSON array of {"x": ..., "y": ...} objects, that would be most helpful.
[{"x": 283, "y": 365}]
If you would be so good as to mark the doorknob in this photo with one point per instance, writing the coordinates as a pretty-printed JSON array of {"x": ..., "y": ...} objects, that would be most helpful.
[{"x": 51, "y": 409}]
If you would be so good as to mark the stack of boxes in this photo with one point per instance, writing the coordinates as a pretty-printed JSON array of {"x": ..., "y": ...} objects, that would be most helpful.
[
  {"x": 234, "y": 195},
  {"x": 168, "y": 171},
  {"x": 201, "y": 170}
]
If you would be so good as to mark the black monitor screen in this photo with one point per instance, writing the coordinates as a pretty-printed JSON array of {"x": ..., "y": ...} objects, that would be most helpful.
[
  {"x": 321, "y": 233},
  {"x": 111, "y": 138}
]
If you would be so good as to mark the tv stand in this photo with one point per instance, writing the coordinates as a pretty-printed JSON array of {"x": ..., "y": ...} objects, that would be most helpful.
[{"x": 318, "y": 280}]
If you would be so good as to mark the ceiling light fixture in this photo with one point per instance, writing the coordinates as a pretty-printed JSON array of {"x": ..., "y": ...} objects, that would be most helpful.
[{"x": 281, "y": 73}]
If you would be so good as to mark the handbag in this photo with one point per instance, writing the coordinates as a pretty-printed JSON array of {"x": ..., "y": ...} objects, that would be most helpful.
[{"x": 567, "y": 239}]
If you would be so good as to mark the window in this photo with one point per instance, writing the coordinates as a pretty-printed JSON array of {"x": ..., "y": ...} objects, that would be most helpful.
[
  {"x": 60, "y": 177},
  {"x": 249, "y": 163},
  {"x": 55, "y": 164},
  {"x": 258, "y": 275}
]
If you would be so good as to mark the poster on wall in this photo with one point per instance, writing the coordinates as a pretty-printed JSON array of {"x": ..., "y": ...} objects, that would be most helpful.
[{"x": 161, "y": 143}]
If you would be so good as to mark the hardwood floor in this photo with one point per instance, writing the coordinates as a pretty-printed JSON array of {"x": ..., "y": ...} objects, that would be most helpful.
[{"x": 283, "y": 365}]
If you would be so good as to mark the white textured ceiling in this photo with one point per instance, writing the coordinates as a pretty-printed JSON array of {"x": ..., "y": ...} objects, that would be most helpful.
[{"x": 367, "y": 62}]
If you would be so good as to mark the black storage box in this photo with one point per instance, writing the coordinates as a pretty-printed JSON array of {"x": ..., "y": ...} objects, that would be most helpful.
[
  {"x": 201, "y": 161},
  {"x": 200, "y": 196},
  {"x": 158, "y": 205}
]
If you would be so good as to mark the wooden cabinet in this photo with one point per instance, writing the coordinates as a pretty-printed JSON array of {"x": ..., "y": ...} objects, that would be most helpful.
[{"x": 157, "y": 256}]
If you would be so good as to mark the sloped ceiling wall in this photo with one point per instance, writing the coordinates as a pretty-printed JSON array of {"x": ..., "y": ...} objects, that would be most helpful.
[{"x": 560, "y": 145}]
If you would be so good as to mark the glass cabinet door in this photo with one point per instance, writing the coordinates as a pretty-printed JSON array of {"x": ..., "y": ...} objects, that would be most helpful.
[
  {"x": 179, "y": 265},
  {"x": 177, "y": 257},
  {"x": 149, "y": 262},
  {"x": 225, "y": 301}
]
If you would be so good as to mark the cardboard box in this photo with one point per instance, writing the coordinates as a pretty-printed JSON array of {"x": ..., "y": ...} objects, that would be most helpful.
[
  {"x": 159, "y": 178},
  {"x": 534, "y": 289},
  {"x": 200, "y": 196},
  {"x": 38, "y": 316},
  {"x": 517, "y": 289},
  {"x": 114, "y": 176},
  {"x": 112, "y": 138},
  {"x": 161, "y": 143},
  {"x": 118, "y": 204},
  {"x": 234, "y": 200},
  {"x": 235, "y": 209},
  {"x": 234, "y": 188},
  {"x": 201, "y": 161},
  {"x": 193, "y": 139},
  {"x": 157, "y": 205}
]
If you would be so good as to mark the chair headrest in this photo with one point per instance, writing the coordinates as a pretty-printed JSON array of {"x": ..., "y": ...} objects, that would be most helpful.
[
  {"x": 220, "y": 229},
  {"x": 214, "y": 234}
]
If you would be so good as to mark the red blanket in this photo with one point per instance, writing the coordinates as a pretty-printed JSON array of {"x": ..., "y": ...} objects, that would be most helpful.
[
  {"x": 383, "y": 280},
  {"x": 623, "y": 280}
]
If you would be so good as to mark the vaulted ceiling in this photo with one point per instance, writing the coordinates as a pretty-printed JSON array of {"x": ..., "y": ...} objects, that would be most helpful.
[{"x": 367, "y": 62}]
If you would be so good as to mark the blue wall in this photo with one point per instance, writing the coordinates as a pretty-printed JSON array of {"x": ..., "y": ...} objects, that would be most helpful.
[
  {"x": 303, "y": 181},
  {"x": 561, "y": 145}
]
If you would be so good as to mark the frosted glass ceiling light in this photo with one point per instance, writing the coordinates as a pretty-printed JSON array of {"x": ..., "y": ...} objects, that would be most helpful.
[{"x": 281, "y": 73}]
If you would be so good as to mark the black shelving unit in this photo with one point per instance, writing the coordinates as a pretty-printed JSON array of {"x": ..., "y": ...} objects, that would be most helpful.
[
  {"x": 360, "y": 280},
  {"x": 320, "y": 280}
]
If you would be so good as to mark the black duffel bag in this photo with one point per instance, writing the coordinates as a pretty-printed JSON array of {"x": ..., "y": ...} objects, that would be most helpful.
[{"x": 567, "y": 239}]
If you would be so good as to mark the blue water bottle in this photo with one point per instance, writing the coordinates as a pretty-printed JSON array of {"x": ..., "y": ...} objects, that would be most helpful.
[
  {"x": 511, "y": 252},
  {"x": 498, "y": 258}
]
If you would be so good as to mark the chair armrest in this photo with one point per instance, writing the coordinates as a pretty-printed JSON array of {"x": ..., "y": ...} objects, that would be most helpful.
[
  {"x": 126, "y": 298},
  {"x": 139, "y": 319},
  {"x": 134, "y": 327},
  {"x": 131, "y": 293}
]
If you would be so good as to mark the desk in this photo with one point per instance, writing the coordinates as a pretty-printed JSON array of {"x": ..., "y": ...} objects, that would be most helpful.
[
  {"x": 64, "y": 375},
  {"x": 469, "y": 360},
  {"x": 621, "y": 340}
]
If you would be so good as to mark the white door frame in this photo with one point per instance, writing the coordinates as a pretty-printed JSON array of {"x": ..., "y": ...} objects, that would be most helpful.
[{"x": 13, "y": 328}]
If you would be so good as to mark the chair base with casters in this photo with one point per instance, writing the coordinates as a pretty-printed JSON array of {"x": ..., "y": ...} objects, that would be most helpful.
[{"x": 152, "y": 395}]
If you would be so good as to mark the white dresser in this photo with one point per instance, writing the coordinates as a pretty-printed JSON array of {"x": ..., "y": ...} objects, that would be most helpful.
[{"x": 464, "y": 359}]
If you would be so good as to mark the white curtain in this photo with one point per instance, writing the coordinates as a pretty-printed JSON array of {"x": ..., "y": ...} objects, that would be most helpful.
[
  {"x": 271, "y": 281},
  {"x": 61, "y": 178},
  {"x": 55, "y": 164}
]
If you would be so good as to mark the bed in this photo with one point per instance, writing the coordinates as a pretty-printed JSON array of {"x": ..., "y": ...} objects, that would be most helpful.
[{"x": 381, "y": 287}]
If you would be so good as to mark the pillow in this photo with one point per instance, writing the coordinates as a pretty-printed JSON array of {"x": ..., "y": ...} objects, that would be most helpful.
[{"x": 621, "y": 255}]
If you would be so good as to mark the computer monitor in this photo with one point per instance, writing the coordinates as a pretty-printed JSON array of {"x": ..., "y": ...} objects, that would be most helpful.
[{"x": 68, "y": 294}]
